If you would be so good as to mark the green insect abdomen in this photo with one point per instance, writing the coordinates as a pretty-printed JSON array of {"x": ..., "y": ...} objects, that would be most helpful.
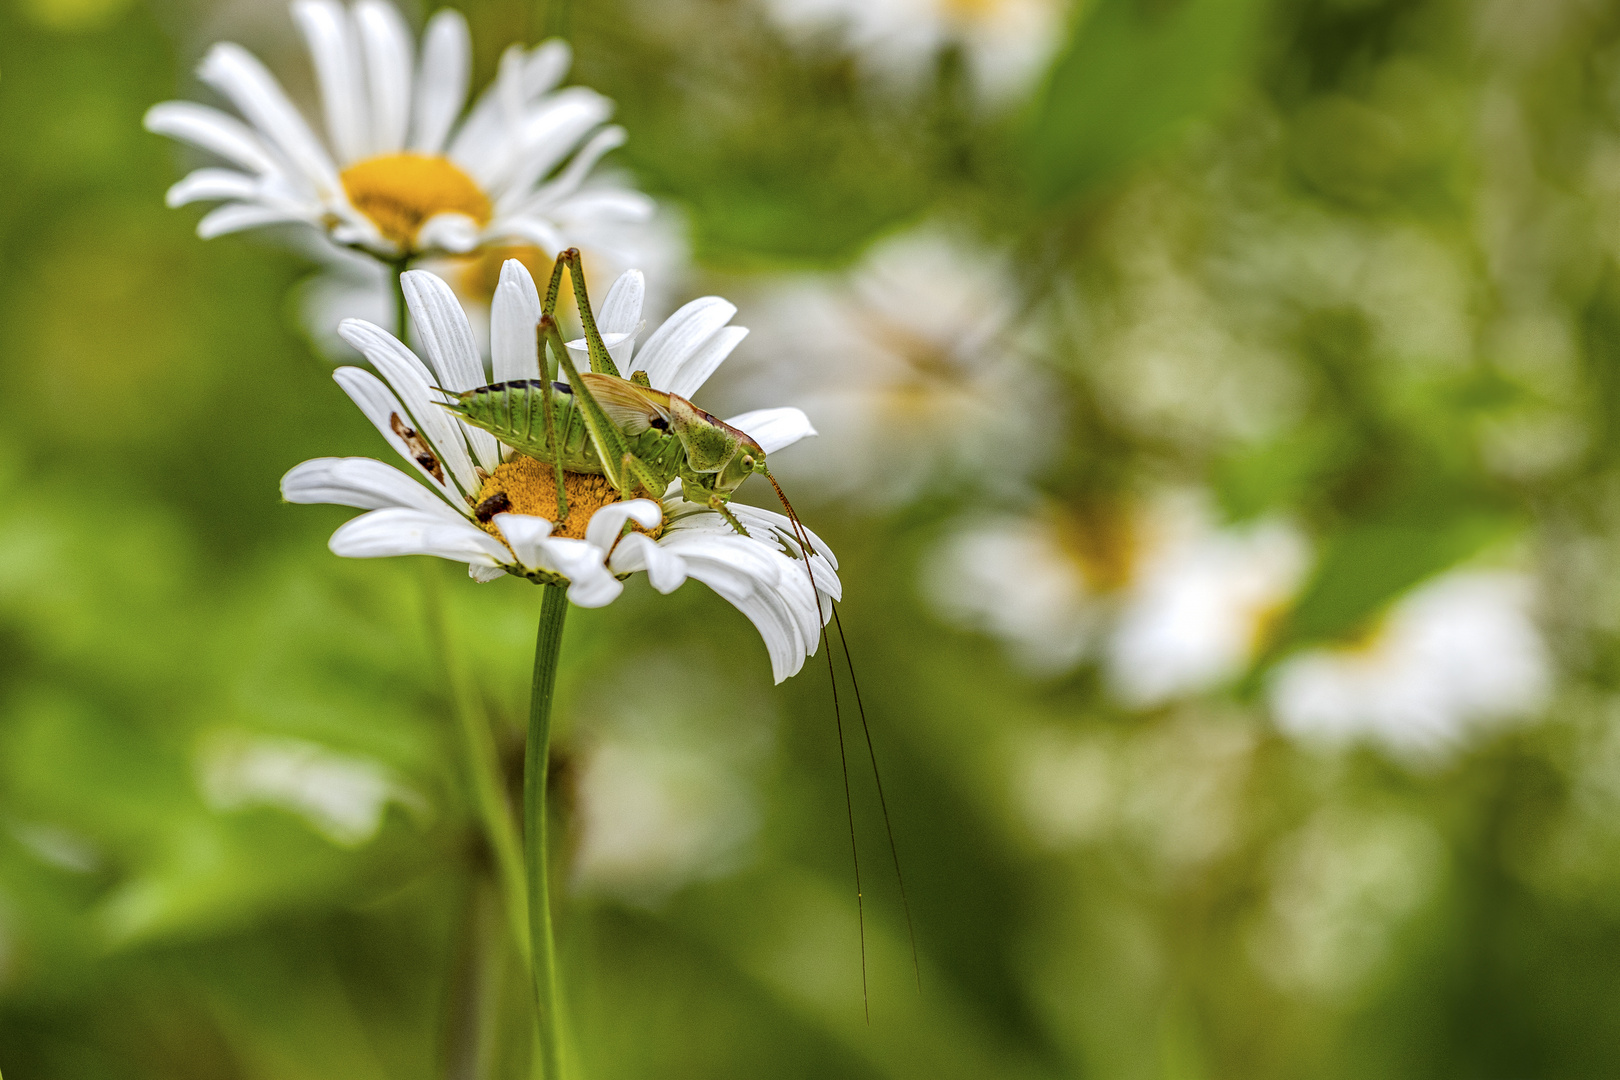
[{"x": 514, "y": 412}]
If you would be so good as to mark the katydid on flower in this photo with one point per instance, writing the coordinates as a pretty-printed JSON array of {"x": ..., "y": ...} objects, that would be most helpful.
[
  {"x": 643, "y": 439},
  {"x": 597, "y": 422}
]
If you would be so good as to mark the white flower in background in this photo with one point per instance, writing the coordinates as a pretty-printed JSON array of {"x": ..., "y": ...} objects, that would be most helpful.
[
  {"x": 354, "y": 286},
  {"x": 1200, "y": 602},
  {"x": 913, "y": 367},
  {"x": 667, "y": 798},
  {"x": 341, "y": 796},
  {"x": 1458, "y": 654},
  {"x": 1013, "y": 579},
  {"x": 468, "y": 473},
  {"x": 654, "y": 817},
  {"x": 1006, "y": 44},
  {"x": 1172, "y": 602},
  {"x": 398, "y": 175}
]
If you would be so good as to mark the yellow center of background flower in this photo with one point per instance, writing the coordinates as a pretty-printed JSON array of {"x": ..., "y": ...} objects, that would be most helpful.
[
  {"x": 526, "y": 486},
  {"x": 477, "y": 275},
  {"x": 399, "y": 192}
]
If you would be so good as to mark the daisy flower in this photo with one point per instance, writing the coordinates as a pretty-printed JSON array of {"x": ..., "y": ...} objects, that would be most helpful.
[
  {"x": 477, "y": 502},
  {"x": 912, "y": 367},
  {"x": 1171, "y": 602},
  {"x": 1005, "y": 44},
  {"x": 400, "y": 172},
  {"x": 1456, "y": 655},
  {"x": 353, "y": 285}
]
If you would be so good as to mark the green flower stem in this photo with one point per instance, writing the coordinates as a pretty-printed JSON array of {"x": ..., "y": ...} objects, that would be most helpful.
[
  {"x": 483, "y": 764},
  {"x": 395, "y": 269},
  {"x": 548, "y": 999}
]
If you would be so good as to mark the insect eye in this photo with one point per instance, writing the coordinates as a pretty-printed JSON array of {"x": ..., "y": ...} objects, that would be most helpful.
[{"x": 748, "y": 461}]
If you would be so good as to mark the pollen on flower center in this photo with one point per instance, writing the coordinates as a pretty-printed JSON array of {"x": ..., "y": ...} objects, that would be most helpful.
[
  {"x": 527, "y": 486},
  {"x": 399, "y": 192}
]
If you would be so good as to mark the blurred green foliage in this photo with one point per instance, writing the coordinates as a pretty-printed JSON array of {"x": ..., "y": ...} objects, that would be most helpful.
[{"x": 1236, "y": 906}]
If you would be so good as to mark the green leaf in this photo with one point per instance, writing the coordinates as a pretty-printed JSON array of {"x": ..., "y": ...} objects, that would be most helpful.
[{"x": 1134, "y": 75}]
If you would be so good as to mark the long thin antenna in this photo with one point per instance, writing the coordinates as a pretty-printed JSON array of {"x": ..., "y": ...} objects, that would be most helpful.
[
  {"x": 894, "y": 851},
  {"x": 838, "y": 721},
  {"x": 866, "y": 729},
  {"x": 849, "y": 809}
]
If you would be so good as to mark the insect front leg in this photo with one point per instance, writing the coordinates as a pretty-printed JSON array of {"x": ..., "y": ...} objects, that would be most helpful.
[
  {"x": 714, "y": 501},
  {"x": 609, "y": 442},
  {"x": 718, "y": 505},
  {"x": 600, "y": 360},
  {"x": 544, "y": 330}
]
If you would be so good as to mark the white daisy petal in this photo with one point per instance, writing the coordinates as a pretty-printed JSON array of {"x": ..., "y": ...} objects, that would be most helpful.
[
  {"x": 697, "y": 368},
  {"x": 682, "y": 334},
  {"x": 548, "y": 62},
  {"x": 211, "y": 130},
  {"x": 443, "y": 330},
  {"x": 328, "y": 33},
  {"x": 774, "y": 429},
  {"x": 447, "y": 338},
  {"x": 612, "y": 204},
  {"x": 620, "y": 312},
  {"x": 441, "y": 89},
  {"x": 486, "y": 144},
  {"x": 410, "y": 380},
  {"x": 619, "y": 347},
  {"x": 400, "y": 531},
  {"x": 484, "y": 574},
  {"x": 237, "y": 74},
  {"x": 514, "y": 313},
  {"x": 234, "y": 217},
  {"x": 381, "y": 406},
  {"x": 549, "y": 137},
  {"x": 608, "y": 522},
  {"x": 386, "y": 43},
  {"x": 358, "y": 481},
  {"x": 530, "y": 229},
  {"x": 589, "y": 583},
  {"x": 524, "y": 534},
  {"x": 665, "y": 570},
  {"x": 568, "y": 180},
  {"x": 750, "y": 585},
  {"x": 759, "y": 519},
  {"x": 450, "y": 231},
  {"x": 210, "y": 184}
]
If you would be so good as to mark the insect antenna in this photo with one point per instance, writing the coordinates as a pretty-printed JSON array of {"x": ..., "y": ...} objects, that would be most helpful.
[
  {"x": 849, "y": 809},
  {"x": 866, "y": 729},
  {"x": 883, "y": 803}
]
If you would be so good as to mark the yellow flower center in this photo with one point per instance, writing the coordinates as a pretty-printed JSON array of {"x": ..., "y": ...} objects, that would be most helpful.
[
  {"x": 478, "y": 274},
  {"x": 1103, "y": 539},
  {"x": 526, "y": 486},
  {"x": 399, "y": 192},
  {"x": 970, "y": 12}
]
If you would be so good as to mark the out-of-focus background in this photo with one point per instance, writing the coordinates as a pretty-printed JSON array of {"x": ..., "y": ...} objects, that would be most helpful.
[{"x": 1218, "y": 404}]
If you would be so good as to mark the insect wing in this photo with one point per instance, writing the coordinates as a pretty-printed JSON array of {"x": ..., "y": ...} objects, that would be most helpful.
[{"x": 631, "y": 408}]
